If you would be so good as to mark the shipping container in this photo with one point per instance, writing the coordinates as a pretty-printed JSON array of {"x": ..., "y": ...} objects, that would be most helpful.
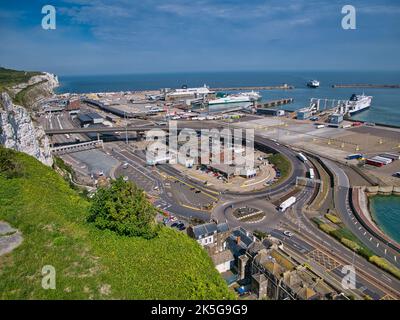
[
  {"x": 374, "y": 163},
  {"x": 354, "y": 156},
  {"x": 392, "y": 156},
  {"x": 382, "y": 159}
]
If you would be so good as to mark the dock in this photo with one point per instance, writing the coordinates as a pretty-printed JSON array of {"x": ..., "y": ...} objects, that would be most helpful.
[
  {"x": 366, "y": 86},
  {"x": 256, "y": 88},
  {"x": 274, "y": 103}
]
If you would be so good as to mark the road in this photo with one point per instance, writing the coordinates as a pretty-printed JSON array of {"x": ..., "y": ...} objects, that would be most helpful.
[
  {"x": 372, "y": 280},
  {"x": 341, "y": 199}
]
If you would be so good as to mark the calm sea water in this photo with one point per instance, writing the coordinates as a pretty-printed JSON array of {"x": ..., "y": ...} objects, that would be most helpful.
[
  {"x": 386, "y": 212},
  {"x": 385, "y": 107}
]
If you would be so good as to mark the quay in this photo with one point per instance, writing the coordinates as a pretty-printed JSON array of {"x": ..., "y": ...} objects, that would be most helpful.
[{"x": 274, "y": 103}]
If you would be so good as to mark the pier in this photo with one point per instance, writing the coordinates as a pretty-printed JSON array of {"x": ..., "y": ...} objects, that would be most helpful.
[
  {"x": 274, "y": 103},
  {"x": 282, "y": 87},
  {"x": 366, "y": 86}
]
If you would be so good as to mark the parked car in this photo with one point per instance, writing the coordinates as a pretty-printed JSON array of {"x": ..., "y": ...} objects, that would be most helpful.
[{"x": 174, "y": 225}]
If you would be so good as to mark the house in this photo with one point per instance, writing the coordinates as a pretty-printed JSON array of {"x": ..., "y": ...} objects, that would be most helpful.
[{"x": 213, "y": 237}]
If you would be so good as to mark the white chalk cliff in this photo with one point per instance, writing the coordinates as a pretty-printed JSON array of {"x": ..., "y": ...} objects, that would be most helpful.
[{"x": 18, "y": 131}]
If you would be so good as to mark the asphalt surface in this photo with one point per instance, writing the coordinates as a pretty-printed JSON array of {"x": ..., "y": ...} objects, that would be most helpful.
[
  {"x": 371, "y": 280},
  {"x": 342, "y": 205}
]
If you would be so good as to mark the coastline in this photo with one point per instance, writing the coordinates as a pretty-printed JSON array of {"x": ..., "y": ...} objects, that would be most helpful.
[
  {"x": 373, "y": 214},
  {"x": 361, "y": 203}
]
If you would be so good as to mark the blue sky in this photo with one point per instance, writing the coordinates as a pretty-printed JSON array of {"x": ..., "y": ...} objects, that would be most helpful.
[{"x": 130, "y": 36}]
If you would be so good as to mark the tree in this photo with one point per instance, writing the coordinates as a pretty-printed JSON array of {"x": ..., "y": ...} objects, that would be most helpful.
[
  {"x": 10, "y": 167},
  {"x": 123, "y": 208}
]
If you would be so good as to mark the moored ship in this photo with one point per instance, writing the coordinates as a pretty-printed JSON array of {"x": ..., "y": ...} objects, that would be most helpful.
[{"x": 358, "y": 103}]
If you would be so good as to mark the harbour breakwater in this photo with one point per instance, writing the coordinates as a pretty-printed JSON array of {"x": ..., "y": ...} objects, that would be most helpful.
[{"x": 367, "y": 86}]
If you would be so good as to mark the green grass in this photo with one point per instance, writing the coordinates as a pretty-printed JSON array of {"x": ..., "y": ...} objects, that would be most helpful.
[
  {"x": 282, "y": 163},
  {"x": 346, "y": 237},
  {"x": 21, "y": 97},
  {"x": 90, "y": 263},
  {"x": 9, "y": 78}
]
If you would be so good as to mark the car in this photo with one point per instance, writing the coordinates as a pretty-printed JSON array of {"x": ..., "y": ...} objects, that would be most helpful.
[
  {"x": 126, "y": 178},
  {"x": 197, "y": 191},
  {"x": 174, "y": 225},
  {"x": 180, "y": 225},
  {"x": 288, "y": 234},
  {"x": 125, "y": 165},
  {"x": 182, "y": 228},
  {"x": 155, "y": 188},
  {"x": 173, "y": 218}
]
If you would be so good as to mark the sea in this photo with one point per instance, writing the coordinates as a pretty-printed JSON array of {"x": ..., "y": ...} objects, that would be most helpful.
[
  {"x": 385, "y": 211},
  {"x": 385, "y": 106}
]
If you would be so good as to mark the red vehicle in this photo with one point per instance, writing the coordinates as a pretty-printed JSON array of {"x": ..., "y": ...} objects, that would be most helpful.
[
  {"x": 357, "y": 124},
  {"x": 374, "y": 163}
]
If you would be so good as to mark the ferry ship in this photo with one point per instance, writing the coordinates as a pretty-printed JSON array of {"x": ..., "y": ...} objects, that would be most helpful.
[
  {"x": 237, "y": 98},
  {"x": 358, "y": 103},
  {"x": 313, "y": 84}
]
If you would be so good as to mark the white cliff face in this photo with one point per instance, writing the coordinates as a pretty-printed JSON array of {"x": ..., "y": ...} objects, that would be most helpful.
[
  {"x": 47, "y": 81},
  {"x": 18, "y": 132}
]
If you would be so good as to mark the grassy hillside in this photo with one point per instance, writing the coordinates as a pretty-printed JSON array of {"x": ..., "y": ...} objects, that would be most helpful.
[
  {"x": 90, "y": 263},
  {"x": 9, "y": 78}
]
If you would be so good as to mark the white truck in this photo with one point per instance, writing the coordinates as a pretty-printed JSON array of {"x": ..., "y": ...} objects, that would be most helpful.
[{"x": 287, "y": 204}]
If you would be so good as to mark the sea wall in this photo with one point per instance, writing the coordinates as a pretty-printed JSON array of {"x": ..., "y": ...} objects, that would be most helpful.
[
  {"x": 359, "y": 203},
  {"x": 382, "y": 190}
]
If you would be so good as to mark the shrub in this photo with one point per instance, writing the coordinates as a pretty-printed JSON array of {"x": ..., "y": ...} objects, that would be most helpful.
[
  {"x": 350, "y": 244},
  {"x": 333, "y": 218},
  {"x": 327, "y": 228},
  {"x": 385, "y": 265},
  {"x": 123, "y": 208},
  {"x": 10, "y": 167}
]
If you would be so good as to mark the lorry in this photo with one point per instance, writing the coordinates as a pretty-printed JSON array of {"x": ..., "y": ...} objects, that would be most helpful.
[
  {"x": 287, "y": 204},
  {"x": 311, "y": 173},
  {"x": 302, "y": 157}
]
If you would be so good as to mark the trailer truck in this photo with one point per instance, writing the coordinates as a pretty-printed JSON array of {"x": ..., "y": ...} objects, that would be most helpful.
[{"x": 287, "y": 204}]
